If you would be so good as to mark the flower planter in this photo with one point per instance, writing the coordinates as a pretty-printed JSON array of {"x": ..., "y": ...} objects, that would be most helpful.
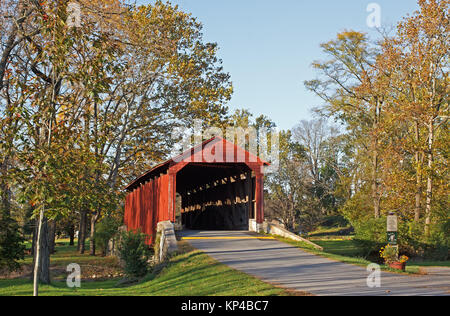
[{"x": 398, "y": 265}]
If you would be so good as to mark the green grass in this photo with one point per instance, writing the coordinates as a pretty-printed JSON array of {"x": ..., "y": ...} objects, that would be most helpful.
[
  {"x": 191, "y": 273},
  {"x": 445, "y": 264},
  {"x": 347, "y": 248},
  {"x": 328, "y": 232}
]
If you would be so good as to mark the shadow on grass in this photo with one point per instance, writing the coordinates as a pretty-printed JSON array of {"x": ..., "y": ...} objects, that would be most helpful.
[
  {"x": 14, "y": 282},
  {"x": 196, "y": 274}
]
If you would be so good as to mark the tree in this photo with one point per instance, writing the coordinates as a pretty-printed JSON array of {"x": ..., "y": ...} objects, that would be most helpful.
[
  {"x": 168, "y": 77},
  {"x": 350, "y": 86},
  {"x": 87, "y": 108},
  {"x": 287, "y": 190},
  {"x": 322, "y": 160},
  {"x": 12, "y": 246},
  {"x": 418, "y": 54},
  {"x": 392, "y": 98}
]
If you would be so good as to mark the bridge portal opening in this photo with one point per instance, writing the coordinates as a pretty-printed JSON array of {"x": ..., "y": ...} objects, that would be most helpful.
[{"x": 216, "y": 196}]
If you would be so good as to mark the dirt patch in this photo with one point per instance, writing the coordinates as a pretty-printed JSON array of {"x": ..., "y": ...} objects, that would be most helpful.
[
  {"x": 101, "y": 271},
  {"x": 24, "y": 272}
]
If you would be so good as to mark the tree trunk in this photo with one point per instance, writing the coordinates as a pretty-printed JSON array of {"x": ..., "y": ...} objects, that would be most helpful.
[
  {"x": 44, "y": 276},
  {"x": 71, "y": 233},
  {"x": 34, "y": 240},
  {"x": 375, "y": 193},
  {"x": 94, "y": 218},
  {"x": 37, "y": 257},
  {"x": 430, "y": 176},
  {"x": 82, "y": 232},
  {"x": 419, "y": 162},
  {"x": 42, "y": 257},
  {"x": 51, "y": 236}
]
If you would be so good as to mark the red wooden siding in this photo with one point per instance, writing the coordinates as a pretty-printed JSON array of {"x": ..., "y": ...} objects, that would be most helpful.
[{"x": 141, "y": 213}]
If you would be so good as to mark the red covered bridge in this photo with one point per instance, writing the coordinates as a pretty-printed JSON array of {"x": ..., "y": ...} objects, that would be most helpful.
[{"x": 216, "y": 185}]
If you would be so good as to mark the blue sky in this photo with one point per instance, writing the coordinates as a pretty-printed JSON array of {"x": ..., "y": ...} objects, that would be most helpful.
[{"x": 268, "y": 46}]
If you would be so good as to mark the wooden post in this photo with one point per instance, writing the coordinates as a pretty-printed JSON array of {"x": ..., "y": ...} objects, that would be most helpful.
[
  {"x": 259, "y": 197},
  {"x": 172, "y": 198},
  {"x": 249, "y": 194}
]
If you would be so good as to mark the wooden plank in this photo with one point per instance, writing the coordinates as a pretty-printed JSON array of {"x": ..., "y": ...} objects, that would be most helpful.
[{"x": 249, "y": 194}]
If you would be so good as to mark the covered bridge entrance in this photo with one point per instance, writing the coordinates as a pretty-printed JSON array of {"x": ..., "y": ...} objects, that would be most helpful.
[{"x": 213, "y": 186}]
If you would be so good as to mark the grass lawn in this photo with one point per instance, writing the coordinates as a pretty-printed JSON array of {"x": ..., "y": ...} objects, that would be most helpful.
[
  {"x": 340, "y": 247},
  {"x": 191, "y": 273},
  {"x": 330, "y": 233}
]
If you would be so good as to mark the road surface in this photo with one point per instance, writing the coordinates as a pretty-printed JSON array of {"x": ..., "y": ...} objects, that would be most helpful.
[{"x": 290, "y": 267}]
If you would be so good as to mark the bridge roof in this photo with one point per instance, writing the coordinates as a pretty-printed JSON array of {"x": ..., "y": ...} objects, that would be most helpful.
[{"x": 216, "y": 150}]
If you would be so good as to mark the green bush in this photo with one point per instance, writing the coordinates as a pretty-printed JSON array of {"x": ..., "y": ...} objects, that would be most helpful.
[
  {"x": 12, "y": 247},
  {"x": 357, "y": 209},
  {"x": 370, "y": 235},
  {"x": 412, "y": 241},
  {"x": 135, "y": 253},
  {"x": 439, "y": 242},
  {"x": 105, "y": 231}
]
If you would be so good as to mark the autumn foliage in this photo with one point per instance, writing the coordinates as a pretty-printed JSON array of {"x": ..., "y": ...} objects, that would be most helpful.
[
  {"x": 392, "y": 96},
  {"x": 87, "y": 107}
]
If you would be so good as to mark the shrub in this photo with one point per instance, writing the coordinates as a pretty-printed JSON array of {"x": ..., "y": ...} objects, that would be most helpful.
[
  {"x": 12, "y": 247},
  {"x": 389, "y": 254},
  {"x": 135, "y": 253},
  {"x": 439, "y": 242},
  {"x": 105, "y": 231},
  {"x": 370, "y": 235}
]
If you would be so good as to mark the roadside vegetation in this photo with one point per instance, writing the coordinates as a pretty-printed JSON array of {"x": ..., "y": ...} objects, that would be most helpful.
[
  {"x": 379, "y": 144},
  {"x": 189, "y": 273},
  {"x": 345, "y": 248}
]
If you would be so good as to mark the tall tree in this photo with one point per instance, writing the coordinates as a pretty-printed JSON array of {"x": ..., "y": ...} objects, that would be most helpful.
[
  {"x": 321, "y": 160},
  {"x": 417, "y": 57},
  {"x": 287, "y": 191},
  {"x": 349, "y": 85}
]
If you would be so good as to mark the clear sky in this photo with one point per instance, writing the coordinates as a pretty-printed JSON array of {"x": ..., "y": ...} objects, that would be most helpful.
[{"x": 268, "y": 46}]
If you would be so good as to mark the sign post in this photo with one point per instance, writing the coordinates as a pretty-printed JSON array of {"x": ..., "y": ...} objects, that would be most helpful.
[{"x": 392, "y": 230}]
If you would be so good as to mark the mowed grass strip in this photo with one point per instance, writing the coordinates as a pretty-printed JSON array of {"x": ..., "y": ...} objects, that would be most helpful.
[
  {"x": 191, "y": 273},
  {"x": 226, "y": 238}
]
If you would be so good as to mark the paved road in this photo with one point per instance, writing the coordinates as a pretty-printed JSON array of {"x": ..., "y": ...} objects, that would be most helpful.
[{"x": 293, "y": 268}]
